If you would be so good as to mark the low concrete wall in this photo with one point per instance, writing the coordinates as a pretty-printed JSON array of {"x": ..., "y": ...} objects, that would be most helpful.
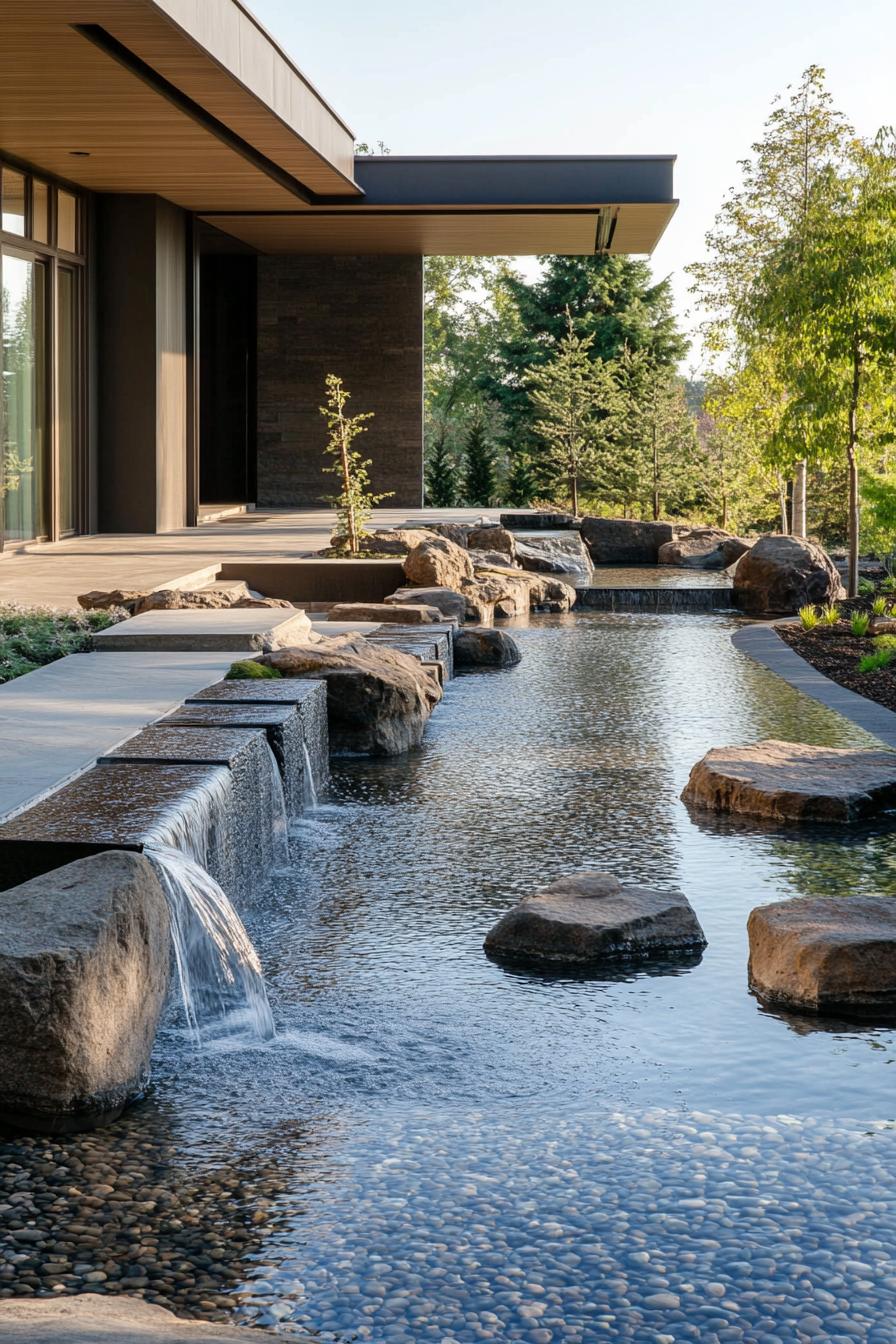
[{"x": 319, "y": 580}]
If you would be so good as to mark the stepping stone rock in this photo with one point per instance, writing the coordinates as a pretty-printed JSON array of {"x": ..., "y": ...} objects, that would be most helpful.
[
  {"x": 480, "y": 646},
  {"x": 789, "y": 781},
  {"x": 589, "y": 919},
  {"x": 826, "y": 954}
]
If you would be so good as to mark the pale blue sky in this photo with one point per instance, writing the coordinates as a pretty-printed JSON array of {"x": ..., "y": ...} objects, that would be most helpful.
[{"x": 693, "y": 78}]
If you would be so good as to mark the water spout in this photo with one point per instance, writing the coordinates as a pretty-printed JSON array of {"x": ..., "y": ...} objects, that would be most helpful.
[
  {"x": 221, "y": 982},
  {"x": 310, "y": 787}
]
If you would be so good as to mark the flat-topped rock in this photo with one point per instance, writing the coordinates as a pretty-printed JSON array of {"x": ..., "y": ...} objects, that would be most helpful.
[
  {"x": 791, "y": 781},
  {"x": 417, "y": 613},
  {"x": 588, "y": 919},
  {"x": 91, "y": 1319},
  {"x": 450, "y": 604},
  {"x": 826, "y": 954},
  {"x": 235, "y": 628}
]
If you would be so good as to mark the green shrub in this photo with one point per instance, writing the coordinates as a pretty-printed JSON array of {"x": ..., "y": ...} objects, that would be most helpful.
[
  {"x": 873, "y": 662},
  {"x": 880, "y": 607},
  {"x": 808, "y": 617},
  {"x": 248, "y": 670},
  {"x": 829, "y": 615},
  {"x": 860, "y": 623},
  {"x": 866, "y": 587},
  {"x": 885, "y": 641},
  {"x": 888, "y": 584},
  {"x": 31, "y": 637}
]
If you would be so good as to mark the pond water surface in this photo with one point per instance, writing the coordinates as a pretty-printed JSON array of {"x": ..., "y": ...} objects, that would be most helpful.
[{"x": 437, "y": 1148}]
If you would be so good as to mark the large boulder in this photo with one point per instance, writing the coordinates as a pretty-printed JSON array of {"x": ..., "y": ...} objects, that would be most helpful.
[
  {"x": 417, "y": 613},
  {"x": 790, "y": 781},
  {"x": 85, "y": 954},
  {"x": 778, "y": 575},
  {"x": 492, "y": 538},
  {"x": 378, "y": 700},
  {"x": 702, "y": 548},
  {"x": 496, "y": 592},
  {"x": 391, "y": 540},
  {"x": 451, "y": 605},
  {"x": 95, "y": 1319},
  {"x": 438, "y": 563},
  {"x": 565, "y": 555},
  {"x": 214, "y": 598},
  {"x": 480, "y": 646},
  {"x": 625, "y": 541},
  {"x": 485, "y": 558},
  {"x": 102, "y": 599},
  {"x": 589, "y": 919},
  {"x": 528, "y": 520},
  {"x": 830, "y": 954},
  {"x": 530, "y": 592}
]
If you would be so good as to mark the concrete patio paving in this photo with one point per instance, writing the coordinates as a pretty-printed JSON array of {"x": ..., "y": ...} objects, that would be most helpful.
[{"x": 55, "y": 575}]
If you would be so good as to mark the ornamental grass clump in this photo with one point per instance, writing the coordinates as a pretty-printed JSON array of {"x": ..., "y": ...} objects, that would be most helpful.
[
  {"x": 859, "y": 624},
  {"x": 829, "y": 615},
  {"x": 874, "y": 662},
  {"x": 31, "y": 637},
  {"x": 880, "y": 607},
  {"x": 809, "y": 617}
]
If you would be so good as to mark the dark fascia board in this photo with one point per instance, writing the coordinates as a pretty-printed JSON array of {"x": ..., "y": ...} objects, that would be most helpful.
[{"x": 515, "y": 179}]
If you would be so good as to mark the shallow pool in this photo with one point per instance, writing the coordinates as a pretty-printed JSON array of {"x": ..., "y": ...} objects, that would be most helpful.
[{"x": 436, "y": 1148}]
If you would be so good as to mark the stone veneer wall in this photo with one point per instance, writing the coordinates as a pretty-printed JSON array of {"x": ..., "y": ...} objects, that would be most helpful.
[{"x": 358, "y": 317}]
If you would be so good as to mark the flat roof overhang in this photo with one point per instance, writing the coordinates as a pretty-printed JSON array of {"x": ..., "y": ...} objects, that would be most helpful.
[
  {"x": 484, "y": 205},
  {"x": 186, "y": 99}
]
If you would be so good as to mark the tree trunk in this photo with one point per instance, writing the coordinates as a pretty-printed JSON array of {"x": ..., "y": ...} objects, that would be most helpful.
[
  {"x": 574, "y": 494},
  {"x": 347, "y": 488},
  {"x": 782, "y": 502},
  {"x": 853, "y": 462},
  {"x": 798, "y": 508},
  {"x": 656, "y": 468}
]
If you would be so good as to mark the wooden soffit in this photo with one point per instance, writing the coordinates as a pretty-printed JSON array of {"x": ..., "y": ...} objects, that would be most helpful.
[{"x": 186, "y": 99}]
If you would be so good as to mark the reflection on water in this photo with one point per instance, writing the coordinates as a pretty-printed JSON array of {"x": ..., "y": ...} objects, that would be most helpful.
[
  {"x": 438, "y": 1148},
  {"x": 658, "y": 576}
]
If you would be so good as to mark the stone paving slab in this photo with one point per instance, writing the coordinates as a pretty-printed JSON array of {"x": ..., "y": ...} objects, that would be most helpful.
[
  {"x": 56, "y": 721},
  {"x": 245, "y": 629}
]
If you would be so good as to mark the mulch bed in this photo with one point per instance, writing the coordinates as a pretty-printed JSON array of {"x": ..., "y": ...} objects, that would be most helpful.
[{"x": 837, "y": 655}]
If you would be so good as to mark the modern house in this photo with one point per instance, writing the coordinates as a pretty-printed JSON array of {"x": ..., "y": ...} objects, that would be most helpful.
[{"x": 188, "y": 245}]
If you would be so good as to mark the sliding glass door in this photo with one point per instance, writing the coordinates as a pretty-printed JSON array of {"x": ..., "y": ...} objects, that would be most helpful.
[
  {"x": 24, "y": 399},
  {"x": 42, "y": 392}
]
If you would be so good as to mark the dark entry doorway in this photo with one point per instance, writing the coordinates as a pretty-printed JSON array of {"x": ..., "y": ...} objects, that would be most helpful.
[{"x": 227, "y": 379}]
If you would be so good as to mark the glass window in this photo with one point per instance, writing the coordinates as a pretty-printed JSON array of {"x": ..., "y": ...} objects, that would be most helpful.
[
  {"x": 67, "y": 400},
  {"x": 66, "y": 221},
  {"x": 12, "y": 190},
  {"x": 23, "y": 398},
  {"x": 40, "y": 212}
]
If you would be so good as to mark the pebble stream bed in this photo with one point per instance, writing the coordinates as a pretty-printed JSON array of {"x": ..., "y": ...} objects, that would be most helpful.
[{"x": 439, "y": 1149}]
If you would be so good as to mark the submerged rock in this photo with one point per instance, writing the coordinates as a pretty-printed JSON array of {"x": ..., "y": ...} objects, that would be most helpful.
[
  {"x": 451, "y": 605},
  {"x": 378, "y": 700},
  {"x": 625, "y": 541},
  {"x": 404, "y": 613},
  {"x": 84, "y": 965},
  {"x": 826, "y": 954},
  {"x": 438, "y": 563},
  {"x": 94, "y": 1319},
  {"x": 481, "y": 646},
  {"x": 778, "y": 575},
  {"x": 790, "y": 781},
  {"x": 591, "y": 918}
]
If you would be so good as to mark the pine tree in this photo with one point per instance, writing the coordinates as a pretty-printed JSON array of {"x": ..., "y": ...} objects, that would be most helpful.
[
  {"x": 479, "y": 473},
  {"x": 575, "y": 399},
  {"x": 441, "y": 477},
  {"x": 519, "y": 489}
]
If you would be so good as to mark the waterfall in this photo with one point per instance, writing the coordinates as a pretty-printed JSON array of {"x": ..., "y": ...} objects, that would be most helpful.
[
  {"x": 310, "y": 787},
  {"x": 280, "y": 816},
  {"x": 221, "y": 981}
]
